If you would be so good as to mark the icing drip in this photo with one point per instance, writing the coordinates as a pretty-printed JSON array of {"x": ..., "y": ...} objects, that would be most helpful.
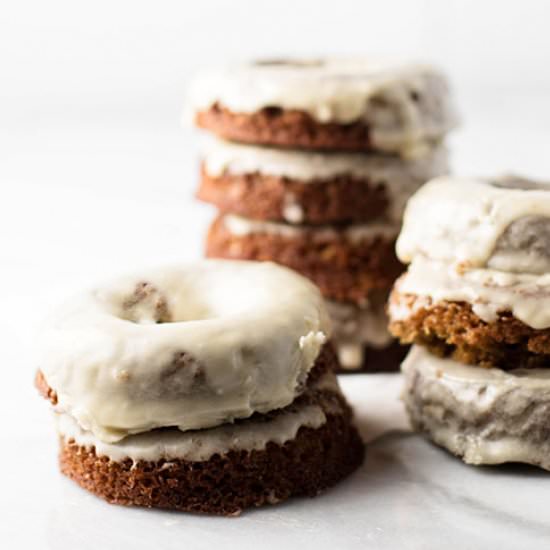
[
  {"x": 199, "y": 445},
  {"x": 489, "y": 291}
]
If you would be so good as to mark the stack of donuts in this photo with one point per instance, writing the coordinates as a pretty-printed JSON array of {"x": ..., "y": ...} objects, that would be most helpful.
[
  {"x": 311, "y": 165},
  {"x": 476, "y": 302},
  {"x": 205, "y": 387}
]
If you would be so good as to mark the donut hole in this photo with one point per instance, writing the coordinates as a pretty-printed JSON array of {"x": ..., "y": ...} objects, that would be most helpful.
[
  {"x": 523, "y": 247},
  {"x": 415, "y": 96},
  {"x": 147, "y": 304},
  {"x": 383, "y": 113},
  {"x": 178, "y": 298}
]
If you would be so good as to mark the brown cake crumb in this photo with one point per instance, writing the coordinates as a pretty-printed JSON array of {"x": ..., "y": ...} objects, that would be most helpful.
[
  {"x": 266, "y": 197},
  {"x": 226, "y": 484},
  {"x": 452, "y": 329},
  {"x": 44, "y": 389},
  {"x": 284, "y": 128},
  {"x": 344, "y": 271}
]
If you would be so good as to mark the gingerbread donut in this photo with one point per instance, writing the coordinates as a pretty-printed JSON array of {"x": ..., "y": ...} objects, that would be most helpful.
[
  {"x": 478, "y": 284},
  {"x": 304, "y": 187},
  {"x": 348, "y": 104},
  {"x": 205, "y": 388},
  {"x": 346, "y": 262},
  {"x": 484, "y": 416}
]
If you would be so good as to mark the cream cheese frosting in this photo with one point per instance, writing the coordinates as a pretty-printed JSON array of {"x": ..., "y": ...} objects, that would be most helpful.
[
  {"x": 199, "y": 445},
  {"x": 191, "y": 346},
  {"x": 502, "y": 223},
  {"x": 487, "y": 416},
  {"x": 405, "y": 105},
  {"x": 487, "y": 290},
  {"x": 355, "y": 233},
  {"x": 484, "y": 242},
  {"x": 400, "y": 177}
]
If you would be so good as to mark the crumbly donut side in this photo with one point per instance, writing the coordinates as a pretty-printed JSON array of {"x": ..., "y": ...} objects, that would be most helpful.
[
  {"x": 452, "y": 329},
  {"x": 44, "y": 389},
  {"x": 268, "y": 197},
  {"x": 284, "y": 128},
  {"x": 226, "y": 484},
  {"x": 342, "y": 270}
]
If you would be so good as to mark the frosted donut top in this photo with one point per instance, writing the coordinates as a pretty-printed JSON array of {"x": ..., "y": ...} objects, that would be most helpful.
[
  {"x": 503, "y": 224},
  {"x": 405, "y": 105},
  {"x": 193, "y": 346}
]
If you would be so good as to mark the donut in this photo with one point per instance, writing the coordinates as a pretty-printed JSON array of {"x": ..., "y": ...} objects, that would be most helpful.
[
  {"x": 348, "y": 104},
  {"x": 484, "y": 416},
  {"x": 478, "y": 285},
  {"x": 346, "y": 262},
  {"x": 205, "y": 387},
  {"x": 302, "y": 187}
]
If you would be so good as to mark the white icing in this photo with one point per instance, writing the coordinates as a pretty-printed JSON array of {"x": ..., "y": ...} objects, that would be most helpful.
[
  {"x": 234, "y": 338},
  {"x": 240, "y": 226},
  {"x": 400, "y": 177},
  {"x": 464, "y": 381},
  {"x": 197, "y": 445},
  {"x": 405, "y": 105},
  {"x": 355, "y": 327},
  {"x": 487, "y": 416},
  {"x": 461, "y": 220},
  {"x": 200, "y": 445},
  {"x": 292, "y": 211},
  {"x": 488, "y": 291}
]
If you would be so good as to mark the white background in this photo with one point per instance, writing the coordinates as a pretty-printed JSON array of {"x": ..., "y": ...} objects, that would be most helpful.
[
  {"x": 117, "y": 60},
  {"x": 97, "y": 174}
]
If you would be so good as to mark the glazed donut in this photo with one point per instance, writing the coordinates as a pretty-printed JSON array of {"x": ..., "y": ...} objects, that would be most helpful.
[
  {"x": 207, "y": 381},
  {"x": 192, "y": 347},
  {"x": 304, "y": 187},
  {"x": 346, "y": 262},
  {"x": 478, "y": 283},
  {"x": 502, "y": 224},
  {"x": 353, "y": 104},
  {"x": 485, "y": 416}
]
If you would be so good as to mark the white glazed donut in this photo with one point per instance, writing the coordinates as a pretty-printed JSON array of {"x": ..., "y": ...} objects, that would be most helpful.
[
  {"x": 402, "y": 103},
  {"x": 193, "y": 346},
  {"x": 485, "y": 416},
  {"x": 400, "y": 178},
  {"x": 502, "y": 224},
  {"x": 483, "y": 242}
]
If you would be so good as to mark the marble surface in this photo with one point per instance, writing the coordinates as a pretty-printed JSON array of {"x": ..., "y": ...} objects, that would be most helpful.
[{"x": 83, "y": 202}]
